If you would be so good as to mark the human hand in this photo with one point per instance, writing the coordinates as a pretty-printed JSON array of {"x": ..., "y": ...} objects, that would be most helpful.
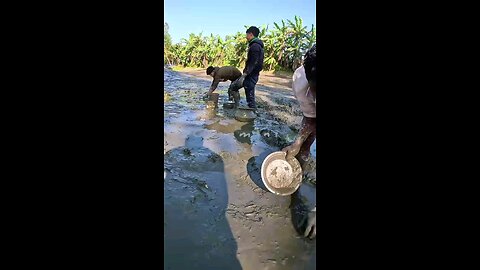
[
  {"x": 291, "y": 151},
  {"x": 311, "y": 220}
]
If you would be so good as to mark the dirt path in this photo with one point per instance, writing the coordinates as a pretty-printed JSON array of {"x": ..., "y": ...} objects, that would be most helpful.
[{"x": 218, "y": 214}]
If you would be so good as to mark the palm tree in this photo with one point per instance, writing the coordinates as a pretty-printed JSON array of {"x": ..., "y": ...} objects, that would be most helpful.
[{"x": 285, "y": 46}]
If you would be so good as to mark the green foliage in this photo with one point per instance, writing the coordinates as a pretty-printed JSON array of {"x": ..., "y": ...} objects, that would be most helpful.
[
  {"x": 285, "y": 45},
  {"x": 167, "y": 43}
]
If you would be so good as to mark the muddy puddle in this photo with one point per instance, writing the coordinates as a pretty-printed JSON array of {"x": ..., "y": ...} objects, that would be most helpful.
[{"x": 218, "y": 214}]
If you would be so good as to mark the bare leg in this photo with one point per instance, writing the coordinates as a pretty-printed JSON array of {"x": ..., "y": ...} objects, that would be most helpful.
[
  {"x": 305, "y": 148},
  {"x": 304, "y": 152}
]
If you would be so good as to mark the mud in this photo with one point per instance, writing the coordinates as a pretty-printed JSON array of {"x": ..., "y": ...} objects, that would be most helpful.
[
  {"x": 217, "y": 212},
  {"x": 245, "y": 114},
  {"x": 282, "y": 177}
]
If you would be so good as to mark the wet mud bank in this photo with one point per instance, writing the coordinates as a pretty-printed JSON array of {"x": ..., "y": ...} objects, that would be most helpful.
[{"x": 218, "y": 214}]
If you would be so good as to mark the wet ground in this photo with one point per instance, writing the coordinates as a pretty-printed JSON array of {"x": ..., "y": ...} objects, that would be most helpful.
[
  {"x": 218, "y": 214},
  {"x": 278, "y": 80}
]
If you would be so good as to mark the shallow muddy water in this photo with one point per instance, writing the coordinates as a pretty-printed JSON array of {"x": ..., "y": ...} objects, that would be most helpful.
[{"x": 218, "y": 214}]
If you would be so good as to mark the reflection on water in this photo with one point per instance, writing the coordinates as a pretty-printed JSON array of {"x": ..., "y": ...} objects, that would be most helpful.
[{"x": 216, "y": 212}]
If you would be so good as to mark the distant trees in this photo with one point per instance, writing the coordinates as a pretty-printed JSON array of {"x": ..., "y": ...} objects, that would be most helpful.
[{"x": 285, "y": 45}]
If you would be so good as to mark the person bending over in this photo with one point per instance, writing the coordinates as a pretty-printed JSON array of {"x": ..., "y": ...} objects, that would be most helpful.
[{"x": 223, "y": 74}]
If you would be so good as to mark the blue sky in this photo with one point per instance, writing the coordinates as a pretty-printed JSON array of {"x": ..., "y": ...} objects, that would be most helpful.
[{"x": 229, "y": 16}]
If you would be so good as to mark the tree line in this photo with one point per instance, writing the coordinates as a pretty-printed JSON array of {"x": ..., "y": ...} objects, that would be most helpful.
[{"x": 285, "y": 44}]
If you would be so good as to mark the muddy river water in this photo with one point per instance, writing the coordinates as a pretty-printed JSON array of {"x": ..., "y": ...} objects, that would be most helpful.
[{"x": 217, "y": 212}]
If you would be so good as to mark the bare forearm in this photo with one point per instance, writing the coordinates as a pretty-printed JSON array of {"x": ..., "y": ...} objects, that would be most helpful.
[
  {"x": 213, "y": 86},
  {"x": 308, "y": 127}
]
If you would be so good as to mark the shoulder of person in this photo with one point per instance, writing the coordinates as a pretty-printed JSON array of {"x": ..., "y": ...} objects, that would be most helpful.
[
  {"x": 218, "y": 73},
  {"x": 220, "y": 70},
  {"x": 230, "y": 68},
  {"x": 255, "y": 46},
  {"x": 299, "y": 72}
]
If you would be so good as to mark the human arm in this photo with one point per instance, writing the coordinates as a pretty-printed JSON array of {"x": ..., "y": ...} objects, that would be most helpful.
[
  {"x": 214, "y": 85},
  {"x": 308, "y": 126},
  {"x": 215, "y": 82}
]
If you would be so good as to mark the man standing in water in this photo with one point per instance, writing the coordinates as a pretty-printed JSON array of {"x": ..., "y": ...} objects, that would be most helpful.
[
  {"x": 305, "y": 90},
  {"x": 223, "y": 74},
  {"x": 252, "y": 68}
]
